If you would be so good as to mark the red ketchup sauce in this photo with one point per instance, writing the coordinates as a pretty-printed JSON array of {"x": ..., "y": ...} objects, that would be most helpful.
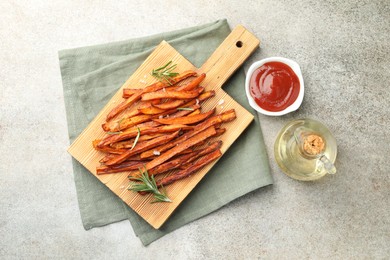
[{"x": 274, "y": 86}]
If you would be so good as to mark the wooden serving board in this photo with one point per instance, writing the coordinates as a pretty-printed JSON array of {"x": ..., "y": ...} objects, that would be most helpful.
[{"x": 227, "y": 58}]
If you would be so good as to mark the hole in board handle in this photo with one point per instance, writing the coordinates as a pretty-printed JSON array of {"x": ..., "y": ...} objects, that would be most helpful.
[{"x": 239, "y": 44}]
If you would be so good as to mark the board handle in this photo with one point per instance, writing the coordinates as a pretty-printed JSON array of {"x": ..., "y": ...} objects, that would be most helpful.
[{"x": 229, "y": 56}]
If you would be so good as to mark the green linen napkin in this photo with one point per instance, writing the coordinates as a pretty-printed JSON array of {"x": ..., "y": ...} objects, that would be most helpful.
[{"x": 91, "y": 75}]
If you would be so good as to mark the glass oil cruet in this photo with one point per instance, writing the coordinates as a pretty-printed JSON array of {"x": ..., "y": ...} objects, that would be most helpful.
[{"x": 305, "y": 150}]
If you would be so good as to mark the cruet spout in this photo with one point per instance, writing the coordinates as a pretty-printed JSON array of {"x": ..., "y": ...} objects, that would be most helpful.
[{"x": 327, "y": 164}]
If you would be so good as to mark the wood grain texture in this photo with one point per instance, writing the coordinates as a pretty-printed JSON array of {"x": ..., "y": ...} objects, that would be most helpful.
[{"x": 228, "y": 57}]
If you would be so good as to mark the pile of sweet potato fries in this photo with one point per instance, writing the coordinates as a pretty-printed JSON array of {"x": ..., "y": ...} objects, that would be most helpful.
[{"x": 161, "y": 128}]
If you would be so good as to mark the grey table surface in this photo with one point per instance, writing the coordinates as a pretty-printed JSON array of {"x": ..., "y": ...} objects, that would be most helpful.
[{"x": 343, "y": 48}]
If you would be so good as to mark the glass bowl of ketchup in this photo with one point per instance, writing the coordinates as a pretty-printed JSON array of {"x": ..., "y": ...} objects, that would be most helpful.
[{"x": 274, "y": 86}]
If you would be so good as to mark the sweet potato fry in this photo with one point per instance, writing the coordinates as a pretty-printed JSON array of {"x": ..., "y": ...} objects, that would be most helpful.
[
  {"x": 220, "y": 131},
  {"x": 107, "y": 149},
  {"x": 224, "y": 117},
  {"x": 154, "y": 87},
  {"x": 218, "y": 119},
  {"x": 110, "y": 156},
  {"x": 202, "y": 97},
  {"x": 186, "y": 103},
  {"x": 199, "y": 89},
  {"x": 132, "y": 121},
  {"x": 125, "y": 166},
  {"x": 187, "y": 120},
  {"x": 193, "y": 84},
  {"x": 112, "y": 124},
  {"x": 148, "y": 124},
  {"x": 181, "y": 113},
  {"x": 125, "y": 104},
  {"x": 146, "y": 104},
  {"x": 201, "y": 152},
  {"x": 171, "y": 164},
  {"x": 165, "y": 147},
  {"x": 206, "y": 95},
  {"x": 185, "y": 159},
  {"x": 171, "y": 104},
  {"x": 132, "y": 132},
  {"x": 129, "y": 112},
  {"x": 195, "y": 112},
  {"x": 151, "y": 110},
  {"x": 170, "y": 94},
  {"x": 160, "y": 85},
  {"x": 181, "y": 147},
  {"x": 209, "y": 139},
  {"x": 142, "y": 147},
  {"x": 129, "y": 144},
  {"x": 172, "y": 112},
  {"x": 186, "y": 151},
  {"x": 128, "y": 92},
  {"x": 190, "y": 170}
]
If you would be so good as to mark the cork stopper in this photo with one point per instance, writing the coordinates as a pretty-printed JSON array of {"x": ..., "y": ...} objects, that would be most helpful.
[{"x": 313, "y": 144}]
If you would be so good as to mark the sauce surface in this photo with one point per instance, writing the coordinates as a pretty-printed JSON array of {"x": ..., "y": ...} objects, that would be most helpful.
[{"x": 274, "y": 86}]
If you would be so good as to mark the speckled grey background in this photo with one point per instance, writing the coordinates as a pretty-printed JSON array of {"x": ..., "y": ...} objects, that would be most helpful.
[{"x": 343, "y": 48}]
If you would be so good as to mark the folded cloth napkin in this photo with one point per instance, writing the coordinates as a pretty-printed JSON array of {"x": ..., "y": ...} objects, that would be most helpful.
[{"x": 91, "y": 75}]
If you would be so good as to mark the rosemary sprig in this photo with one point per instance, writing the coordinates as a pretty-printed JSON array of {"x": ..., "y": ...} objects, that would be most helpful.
[
  {"x": 120, "y": 122},
  {"x": 185, "y": 108},
  {"x": 165, "y": 73},
  {"x": 114, "y": 133},
  {"x": 148, "y": 184},
  {"x": 136, "y": 138}
]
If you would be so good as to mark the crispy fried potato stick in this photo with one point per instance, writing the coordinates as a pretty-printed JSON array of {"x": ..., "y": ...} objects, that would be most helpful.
[
  {"x": 170, "y": 94},
  {"x": 128, "y": 92},
  {"x": 220, "y": 131},
  {"x": 132, "y": 121},
  {"x": 206, "y": 159},
  {"x": 206, "y": 95},
  {"x": 181, "y": 113},
  {"x": 125, "y": 104},
  {"x": 107, "y": 149},
  {"x": 113, "y": 123},
  {"x": 195, "y": 112},
  {"x": 187, "y": 120},
  {"x": 224, "y": 117},
  {"x": 160, "y": 85},
  {"x": 152, "y": 88},
  {"x": 171, "y": 104},
  {"x": 123, "y": 167},
  {"x": 218, "y": 119},
  {"x": 110, "y": 156},
  {"x": 185, "y": 159},
  {"x": 151, "y": 110},
  {"x": 132, "y": 132},
  {"x": 193, "y": 84},
  {"x": 199, "y": 137},
  {"x": 185, "y": 103},
  {"x": 171, "y": 164},
  {"x": 210, "y": 148},
  {"x": 165, "y": 147},
  {"x": 149, "y": 124},
  {"x": 142, "y": 147},
  {"x": 129, "y": 144}
]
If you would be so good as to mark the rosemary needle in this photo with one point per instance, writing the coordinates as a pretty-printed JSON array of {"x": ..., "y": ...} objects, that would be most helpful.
[
  {"x": 165, "y": 73},
  {"x": 148, "y": 184},
  {"x": 136, "y": 138},
  {"x": 114, "y": 133},
  {"x": 185, "y": 108}
]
